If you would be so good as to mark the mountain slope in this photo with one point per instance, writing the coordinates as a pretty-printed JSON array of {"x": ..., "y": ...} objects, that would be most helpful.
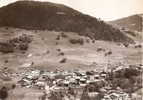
[
  {"x": 44, "y": 15},
  {"x": 133, "y": 23}
]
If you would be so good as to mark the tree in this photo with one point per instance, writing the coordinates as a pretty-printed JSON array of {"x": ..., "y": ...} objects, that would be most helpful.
[{"x": 3, "y": 93}]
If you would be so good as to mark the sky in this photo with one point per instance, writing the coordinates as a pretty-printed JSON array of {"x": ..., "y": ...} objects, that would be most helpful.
[{"x": 104, "y": 9}]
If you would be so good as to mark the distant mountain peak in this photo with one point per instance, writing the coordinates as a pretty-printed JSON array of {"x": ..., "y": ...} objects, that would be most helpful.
[
  {"x": 133, "y": 23},
  {"x": 140, "y": 15}
]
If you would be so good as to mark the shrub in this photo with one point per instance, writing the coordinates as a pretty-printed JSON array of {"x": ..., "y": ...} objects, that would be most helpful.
[
  {"x": 58, "y": 37},
  {"x": 126, "y": 44},
  {"x": 6, "y": 61},
  {"x": 56, "y": 43},
  {"x": 138, "y": 46},
  {"x": 20, "y": 43},
  {"x": 77, "y": 41},
  {"x": 23, "y": 46},
  {"x": 6, "y": 47},
  {"x": 23, "y": 38},
  {"x": 100, "y": 49},
  {"x": 59, "y": 50},
  {"x": 6, "y": 28},
  {"x": 61, "y": 54},
  {"x": 108, "y": 53},
  {"x": 47, "y": 52},
  {"x": 93, "y": 41},
  {"x": 63, "y": 60},
  {"x": 3, "y": 93},
  {"x": 63, "y": 35}
]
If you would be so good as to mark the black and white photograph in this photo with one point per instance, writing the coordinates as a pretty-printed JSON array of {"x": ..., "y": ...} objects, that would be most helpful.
[{"x": 71, "y": 49}]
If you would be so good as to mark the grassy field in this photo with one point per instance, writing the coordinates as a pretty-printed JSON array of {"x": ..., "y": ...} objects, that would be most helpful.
[{"x": 46, "y": 51}]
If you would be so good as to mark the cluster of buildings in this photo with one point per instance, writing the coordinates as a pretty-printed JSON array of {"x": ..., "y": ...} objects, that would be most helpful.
[
  {"x": 92, "y": 83},
  {"x": 37, "y": 78}
]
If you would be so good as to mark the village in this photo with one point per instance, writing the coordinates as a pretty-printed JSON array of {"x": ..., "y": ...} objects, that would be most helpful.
[{"x": 84, "y": 85}]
